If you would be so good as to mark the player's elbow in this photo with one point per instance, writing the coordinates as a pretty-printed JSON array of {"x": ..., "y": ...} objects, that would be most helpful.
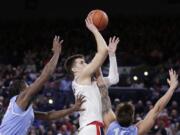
[
  {"x": 44, "y": 77},
  {"x": 154, "y": 113},
  {"x": 49, "y": 116},
  {"x": 43, "y": 116},
  {"x": 157, "y": 108},
  {"x": 48, "y": 71},
  {"x": 103, "y": 50},
  {"x": 114, "y": 80}
]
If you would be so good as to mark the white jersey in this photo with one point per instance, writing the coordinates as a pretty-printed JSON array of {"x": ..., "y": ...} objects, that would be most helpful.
[{"x": 92, "y": 106}]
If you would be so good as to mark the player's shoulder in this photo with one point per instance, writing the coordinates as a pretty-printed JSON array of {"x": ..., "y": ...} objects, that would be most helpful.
[
  {"x": 13, "y": 99},
  {"x": 114, "y": 124}
]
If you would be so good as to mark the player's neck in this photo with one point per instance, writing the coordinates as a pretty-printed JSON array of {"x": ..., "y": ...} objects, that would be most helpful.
[{"x": 77, "y": 74}]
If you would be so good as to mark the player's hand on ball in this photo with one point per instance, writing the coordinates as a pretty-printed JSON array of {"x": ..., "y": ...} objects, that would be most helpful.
[
  {"x": 80, "y": 99},
  {"x": 113, "y": 42},
  {"x": 173, "y": 81},
  {"x": 90, "y": 25},
  {"x": 57, "y": 44}
]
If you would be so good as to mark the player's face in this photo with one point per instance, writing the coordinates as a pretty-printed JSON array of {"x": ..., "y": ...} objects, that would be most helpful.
[{"x": 80, "y": 64}]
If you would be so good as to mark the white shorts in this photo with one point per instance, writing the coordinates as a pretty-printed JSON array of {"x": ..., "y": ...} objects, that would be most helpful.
[{"x": 92, "y": 129}]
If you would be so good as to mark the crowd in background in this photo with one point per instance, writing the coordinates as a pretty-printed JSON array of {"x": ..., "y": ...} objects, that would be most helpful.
[{"x": 148, "y": 44}]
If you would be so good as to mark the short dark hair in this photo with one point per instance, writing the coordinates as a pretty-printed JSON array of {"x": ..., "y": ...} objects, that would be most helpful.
[
  {"x": 70, "y": 62},
  {"x": 125, "y": 114},
  {"x": 16, "y": 86}
]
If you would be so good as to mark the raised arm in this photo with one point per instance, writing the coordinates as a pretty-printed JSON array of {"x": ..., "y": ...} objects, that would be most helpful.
[
  {"x": 25, "y": 97},
  {"x": 145, "y": 125},
  {"x": 113, "y": 77},
  {"x": 55, "y": 115},
  {"x": 105, "y": 82},
  {"x": 107, "y": 112},
  {"x": 101, "y": 54}
]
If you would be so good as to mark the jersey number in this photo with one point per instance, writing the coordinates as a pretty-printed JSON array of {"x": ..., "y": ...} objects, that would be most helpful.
[{"x": 116, "y": 132}]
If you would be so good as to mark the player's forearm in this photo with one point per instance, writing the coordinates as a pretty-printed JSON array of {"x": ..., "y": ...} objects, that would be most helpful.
[
  {"x": 106, "y": 102},
  {"x": 163, "y": 101},
  {"x": 103, "y": 89},
  {"x": 54, "y": 115},
  {"x": 51, "y": 65},
  {"x": 113, "y": 76},
  {"x": 101, "y": 43}
]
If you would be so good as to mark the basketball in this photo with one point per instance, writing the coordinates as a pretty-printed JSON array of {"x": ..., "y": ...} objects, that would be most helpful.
[{"x": 99, "y": 18}]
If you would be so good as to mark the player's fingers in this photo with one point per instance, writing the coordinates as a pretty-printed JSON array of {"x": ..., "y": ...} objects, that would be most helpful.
[
  {"x": 55, "y": 38},
  {"x": 114, "y": 38},
  {"x": 174, "y": 72},
  {"x": 82, "y": 109},
  {"x": 86, "y": 21},
  {"x": 77, "y": 96},
  {"x": 61, "y": 41},
  {"x": 170, "y": 72},
  {"x": 117, "y": 39},
  {"x": 90, "y": 19},
  {"x": 168, "y": 81},
  {"x": 82, "y": 97},
  {"x": 58, "y": 37},
  {"x": 82, "y": 101},
  {"x": 110, "y": 39},
  {"x": 92, "y": 12}
]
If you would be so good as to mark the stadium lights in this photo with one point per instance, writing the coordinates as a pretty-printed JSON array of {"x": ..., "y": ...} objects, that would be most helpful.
[
  {"x": 135, "y": 78},
  {"x": 146, "y": 73},
  {"x": 50, "y": 101}
]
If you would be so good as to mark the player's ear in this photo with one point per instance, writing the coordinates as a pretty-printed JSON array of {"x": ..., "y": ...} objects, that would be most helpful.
[{"x": 73, "y": 69}]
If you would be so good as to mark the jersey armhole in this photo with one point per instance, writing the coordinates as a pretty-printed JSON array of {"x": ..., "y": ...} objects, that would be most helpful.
[{"x": 16, "y": 109}]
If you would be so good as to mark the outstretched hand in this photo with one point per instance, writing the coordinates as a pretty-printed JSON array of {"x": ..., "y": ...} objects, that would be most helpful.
[
  {"x": 89, "y": 24},
  {"x": 113, "y": 42},
  {"x": 173, "y": 81},
  {"x": 80, "y": 99},
  {"x": 57, "y": 44}
]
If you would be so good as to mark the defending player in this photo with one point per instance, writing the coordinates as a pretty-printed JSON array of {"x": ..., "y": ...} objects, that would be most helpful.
[
  {"x": 20, "y": 115},
  {"x": 125, "y": 113}
]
